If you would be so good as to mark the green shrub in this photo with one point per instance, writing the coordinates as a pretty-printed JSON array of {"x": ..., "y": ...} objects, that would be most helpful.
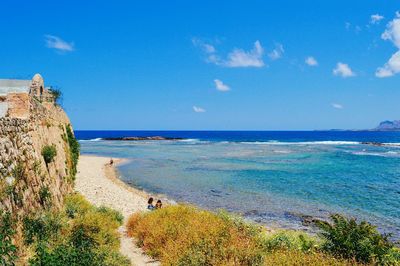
[
  {"x": 48, "y": 153},
  {"x": 8, "y": 251},
  {"x": 297, "y": 257},
  {"x": 80, "y": 235},
  {"x": 345, "y": 238},
  {"x": 113, "y": 213},
  {"x": 290, "y": 240},
  {"x": 75, "y": 204}
]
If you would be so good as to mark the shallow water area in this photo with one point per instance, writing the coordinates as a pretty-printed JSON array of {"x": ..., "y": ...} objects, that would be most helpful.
[{"x": 270, "y": 177}]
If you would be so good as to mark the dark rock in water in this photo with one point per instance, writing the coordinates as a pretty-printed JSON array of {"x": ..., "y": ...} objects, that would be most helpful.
[
  {"x": 373, "y": 143},
  {"x": 306, "y": 220},
  {"x": 143, "y": 138},
  {"x": 216, "y": 191},
  {"x": 252, "y": 213}
]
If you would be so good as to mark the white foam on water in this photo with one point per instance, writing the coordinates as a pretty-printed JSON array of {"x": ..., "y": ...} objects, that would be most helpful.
[
  {"x": 328, "y": 142},
  {"x": 87, "y": 140}
]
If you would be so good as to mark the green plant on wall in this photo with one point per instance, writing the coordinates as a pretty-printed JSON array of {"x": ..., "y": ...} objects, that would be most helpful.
[
  {"x": 45, "y": 196},
  {"x": 48, "y": 153},
  {"x": 57, "y": 95},
  {"x": 73, "y": 150}
]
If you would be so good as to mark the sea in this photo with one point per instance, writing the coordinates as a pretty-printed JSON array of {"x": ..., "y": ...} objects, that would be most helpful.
[{"x": 282, "y": 179}]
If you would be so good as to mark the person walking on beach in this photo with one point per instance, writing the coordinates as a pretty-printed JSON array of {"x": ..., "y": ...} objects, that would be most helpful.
[
  {"x": 158, "y": 204},
  {"x": 150, "y": 205}
]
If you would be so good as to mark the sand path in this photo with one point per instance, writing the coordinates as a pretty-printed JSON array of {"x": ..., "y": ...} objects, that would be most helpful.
[{"x": 98, "y": 182}]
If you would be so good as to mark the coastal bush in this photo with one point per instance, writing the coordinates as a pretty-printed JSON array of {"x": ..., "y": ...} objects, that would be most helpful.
[
  {"x": 184, "y": 235},
  {"x": 345, "y": 238},
  {"x": 81, "y": 234},
  {"x": 8, "y": 251},
  {"x": 48, "y": 153},
  {"x": 115, "y": 214},
  {"x": 297, "y": 257},
  {"x": 290, "y": 240}
]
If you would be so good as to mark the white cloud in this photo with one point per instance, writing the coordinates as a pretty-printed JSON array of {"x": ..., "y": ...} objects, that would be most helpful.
[
  {"x": 375, "y": 19},
  {"x": 236, "y": 58},
  {"x": 241, "y": 58},
  {"x": 390, "y": 68},
  {"x": 219, "y": 85},
  {"x": 277, "y": 52},
  {"x": 206, "y": 47},
  {"x": 198, "y": 109},
  {"x": 392, "y": 33},
  {"x": 311, "y": 61},
  {"x": 337, "y": 105},
  {"x": 343, "y": 70},
  {"x": 59, "y": 44}
]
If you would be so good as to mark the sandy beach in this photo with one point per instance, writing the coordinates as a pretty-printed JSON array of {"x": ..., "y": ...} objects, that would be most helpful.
[{"x": 99, "y": 183}]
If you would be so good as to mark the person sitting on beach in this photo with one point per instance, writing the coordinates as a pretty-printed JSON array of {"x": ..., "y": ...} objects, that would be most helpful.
[
  {"x": 150, "y": 205},
  {"x": 111, "y": 161},
  {"x": 158, "y": 204}
]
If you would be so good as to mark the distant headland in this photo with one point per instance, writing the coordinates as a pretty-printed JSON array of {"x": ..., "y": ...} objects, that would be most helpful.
[
  {"x": 388, "y": 126},
  {"x": 142, "y": 138}
]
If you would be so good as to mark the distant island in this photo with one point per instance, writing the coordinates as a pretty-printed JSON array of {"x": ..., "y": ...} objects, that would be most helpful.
[{"x": 388, "y": 126}]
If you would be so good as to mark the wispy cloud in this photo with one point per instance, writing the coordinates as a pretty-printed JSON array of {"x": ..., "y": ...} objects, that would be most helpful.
[
  {"x": 392, "y": 33},
  {"x": 58, "y": 44},
  {"x": 311, "y": 61},
  {"x": 343, "y": 70},
  {"x": 242, "y": 58},
  {"x": 376, "y": 19},
  {"x": 219, "y": 85},
  {"x": 337, "y": 105},
  {"x": 277, "y": 52},
  {"x": 198, "y": 109},
  {"x": 236, "y": 58}
]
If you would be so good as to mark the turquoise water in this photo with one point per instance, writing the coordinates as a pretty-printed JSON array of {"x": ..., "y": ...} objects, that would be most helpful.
[{"x": 271, "y": 182}]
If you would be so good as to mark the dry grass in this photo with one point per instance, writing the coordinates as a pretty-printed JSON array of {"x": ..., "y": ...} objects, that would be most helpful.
[{"x": 184, "y": 235}]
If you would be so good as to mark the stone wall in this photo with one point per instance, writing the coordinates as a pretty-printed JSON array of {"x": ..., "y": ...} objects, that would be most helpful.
[{"x": 27, "y": 183}]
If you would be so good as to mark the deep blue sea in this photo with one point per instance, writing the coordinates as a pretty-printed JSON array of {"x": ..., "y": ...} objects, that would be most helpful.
[{"x": 272, "y": 177}]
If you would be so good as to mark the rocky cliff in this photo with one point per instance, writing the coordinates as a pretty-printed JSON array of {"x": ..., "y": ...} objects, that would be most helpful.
[{"x": 30, "y": 180}]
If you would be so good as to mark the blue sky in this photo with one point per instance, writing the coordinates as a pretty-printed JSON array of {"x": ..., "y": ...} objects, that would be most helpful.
[{"x": 223, "y": 65}]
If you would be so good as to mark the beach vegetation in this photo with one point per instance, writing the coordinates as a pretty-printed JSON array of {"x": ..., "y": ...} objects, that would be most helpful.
[
  {"x": 346, "y": 238},
  {"x": 48, "y": 153},
  {"x": 185, "y": 235},
  {"x": 80, "y": 234},
  {"x": 8, "y": 251}
]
